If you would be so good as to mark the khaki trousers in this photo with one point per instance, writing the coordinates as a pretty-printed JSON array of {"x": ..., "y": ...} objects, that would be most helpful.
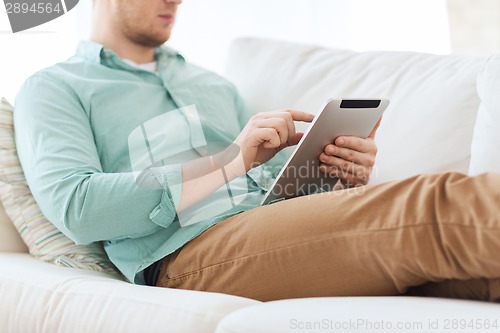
[{"x": 435, "y": 235}]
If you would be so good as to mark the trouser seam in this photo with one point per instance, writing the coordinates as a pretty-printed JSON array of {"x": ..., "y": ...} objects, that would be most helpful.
[{"x": 330, "y": 237}]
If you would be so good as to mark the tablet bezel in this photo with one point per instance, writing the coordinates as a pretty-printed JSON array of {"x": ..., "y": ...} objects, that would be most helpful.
[{"x": 351, "y": 117}]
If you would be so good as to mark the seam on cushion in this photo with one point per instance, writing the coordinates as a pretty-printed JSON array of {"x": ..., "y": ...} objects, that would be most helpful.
[{"x": 330, "y": 237}]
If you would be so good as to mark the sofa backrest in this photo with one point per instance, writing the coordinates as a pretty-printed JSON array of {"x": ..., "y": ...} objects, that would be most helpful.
[{"x": 426, "y": 129}]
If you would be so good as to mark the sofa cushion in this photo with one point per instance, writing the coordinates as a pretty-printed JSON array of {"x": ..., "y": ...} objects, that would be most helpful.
[
  {"x": 428, "y": 126},
  {"x": 9, "y": 238},
  {"x": 43, "y": 239},
  {"x": 485, "y": 154},
  {"x": 39, "y": 297},
  {"x": 364, "y": 314}
]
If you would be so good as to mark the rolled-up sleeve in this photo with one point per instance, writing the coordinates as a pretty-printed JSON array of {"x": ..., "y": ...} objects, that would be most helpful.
[
  {"x": 56, "y": 147},
  {"x": 170, "y": 178}
]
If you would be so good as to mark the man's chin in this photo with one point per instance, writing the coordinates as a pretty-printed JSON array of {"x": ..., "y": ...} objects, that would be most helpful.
[
  {"x": 162, "y": 38},
  {"x": 152, "y": 40}
]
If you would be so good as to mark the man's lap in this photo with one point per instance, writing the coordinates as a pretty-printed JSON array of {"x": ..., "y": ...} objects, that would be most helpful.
[{"x": 395, "y": 220}]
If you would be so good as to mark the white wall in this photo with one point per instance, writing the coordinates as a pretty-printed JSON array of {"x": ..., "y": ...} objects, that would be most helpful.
[
  {"x": 24, "y": 53},
  {"x": 206, "y": 27},
  {"x": 475, "y": 26}
]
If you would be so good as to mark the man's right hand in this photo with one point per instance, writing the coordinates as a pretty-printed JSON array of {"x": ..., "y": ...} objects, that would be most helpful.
[{"x": 266, "y": 134}]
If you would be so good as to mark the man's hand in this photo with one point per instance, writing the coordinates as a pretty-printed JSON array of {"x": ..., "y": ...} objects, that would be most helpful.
[
  {"x": 267, "y": 133},
  {"x": 351, "y": 159}
]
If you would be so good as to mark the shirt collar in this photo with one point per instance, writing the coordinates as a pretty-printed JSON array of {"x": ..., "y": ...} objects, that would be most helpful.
[{"x": 95, "y": 52}]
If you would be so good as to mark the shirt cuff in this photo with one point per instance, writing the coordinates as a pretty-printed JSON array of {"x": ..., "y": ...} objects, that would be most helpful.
[{"x": 170, "y": 177}]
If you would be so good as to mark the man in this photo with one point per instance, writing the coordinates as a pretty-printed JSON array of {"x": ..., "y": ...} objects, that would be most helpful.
[{"x": 96, "y": 136}]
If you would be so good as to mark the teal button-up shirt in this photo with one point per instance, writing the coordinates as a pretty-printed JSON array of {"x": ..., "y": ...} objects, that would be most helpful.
[{"x": 86, "y": 128}]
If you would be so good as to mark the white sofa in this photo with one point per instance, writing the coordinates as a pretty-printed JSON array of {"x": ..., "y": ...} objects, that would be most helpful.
[{"x": 428, "y": 128}]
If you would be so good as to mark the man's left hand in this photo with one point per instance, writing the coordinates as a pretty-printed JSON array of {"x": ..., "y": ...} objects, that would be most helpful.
[{"x": 350, "y": 158}]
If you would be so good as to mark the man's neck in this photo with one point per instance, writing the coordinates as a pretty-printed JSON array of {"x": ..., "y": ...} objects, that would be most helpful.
[
  {"x": 137, "y": 54},
  {"x": 126, "y": 49}
]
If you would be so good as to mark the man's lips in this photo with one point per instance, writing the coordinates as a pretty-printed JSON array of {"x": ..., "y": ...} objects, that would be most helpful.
[{"x": 167, "y": 18}]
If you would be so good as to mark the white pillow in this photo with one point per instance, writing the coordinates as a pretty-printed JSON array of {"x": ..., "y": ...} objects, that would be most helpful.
[
  {"x": 485, "y": 151},
  {"x": 428, "y": 126}
]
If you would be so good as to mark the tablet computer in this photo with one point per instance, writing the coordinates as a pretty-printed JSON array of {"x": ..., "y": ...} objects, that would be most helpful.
[{"x": 301, "y": 174}]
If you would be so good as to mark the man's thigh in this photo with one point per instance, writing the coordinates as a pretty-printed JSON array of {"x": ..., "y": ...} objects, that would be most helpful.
[{"x": 376, "y": 240}]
